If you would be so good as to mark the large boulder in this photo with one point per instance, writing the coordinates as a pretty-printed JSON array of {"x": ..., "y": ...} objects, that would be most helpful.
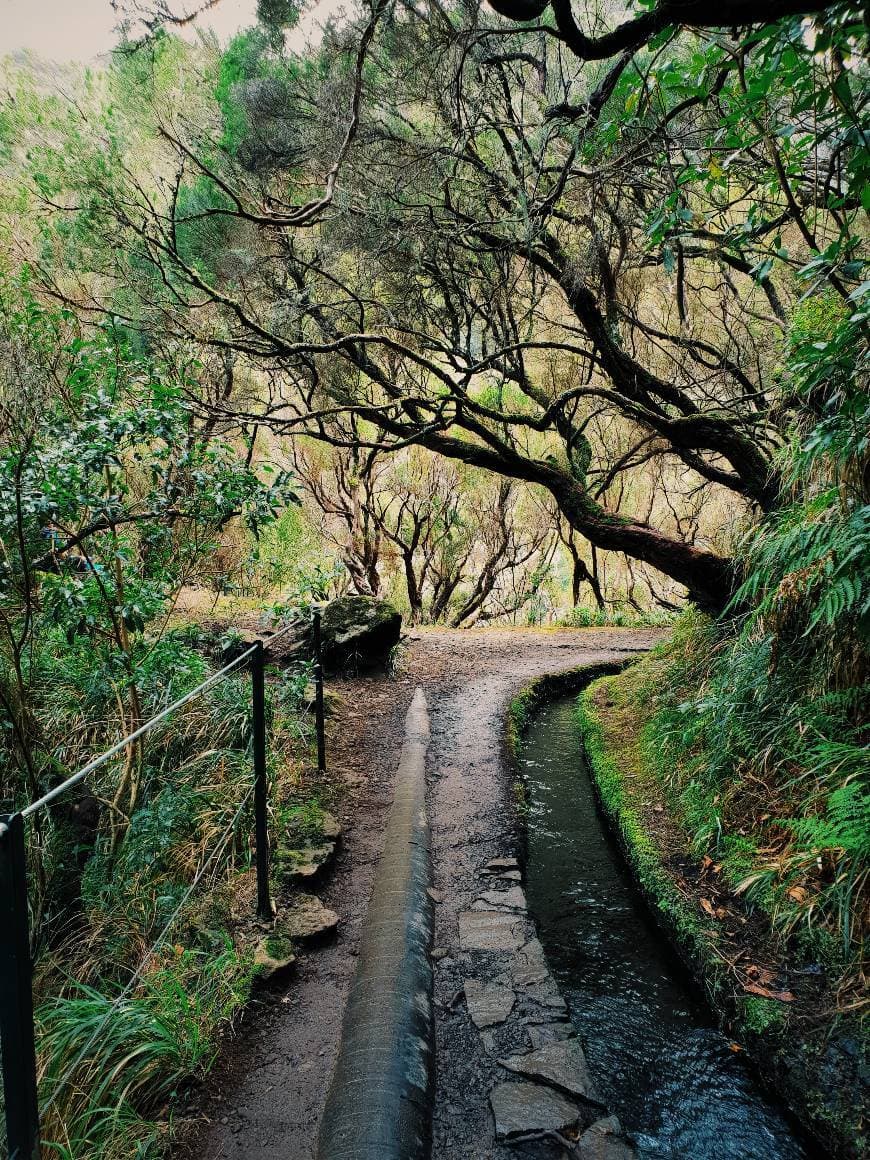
[{"x": 358, "y": 632}]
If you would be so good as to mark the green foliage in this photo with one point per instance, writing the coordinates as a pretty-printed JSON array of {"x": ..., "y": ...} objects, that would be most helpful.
[
  {"x": 204, "y": 227},
  {"x": 290, "y": 555},
  {"x": 761, "y": 1015},
  {"x": 846, "y": 823},
  {"x": 142, "y": 73},
  {"x": 106, "y": 1063},
  {"x": 256, "y": 93},
  {"x": 113, "y": 494},
  {"x": 760, "y": 727},
  {"x": 772, "y": 96},
  {"x": 812, "y": 561},
  {"x": 806, "y": 566},
  {"x": 619, "y": 616},
  {"x": 276, "y": 16},
  {"x": 277, "y": 13},
  {"x": 164, "y": 1029},
  {"x": 240, "y": 62},
  {"x": 759, "y": 759}
]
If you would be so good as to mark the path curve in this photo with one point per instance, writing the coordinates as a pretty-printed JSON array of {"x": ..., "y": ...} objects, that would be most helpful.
[{"x": 266, "y": 1099}]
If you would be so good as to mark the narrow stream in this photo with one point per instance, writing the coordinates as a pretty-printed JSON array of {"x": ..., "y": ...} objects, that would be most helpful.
[{"x": 659, "y": 1062}]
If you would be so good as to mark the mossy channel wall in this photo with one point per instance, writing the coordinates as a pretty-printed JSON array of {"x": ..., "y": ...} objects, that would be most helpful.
[{"x": 776, "y": 1058}]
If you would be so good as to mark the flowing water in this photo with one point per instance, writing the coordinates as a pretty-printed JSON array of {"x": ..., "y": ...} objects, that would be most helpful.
[{"x": 659, "y": 1062}]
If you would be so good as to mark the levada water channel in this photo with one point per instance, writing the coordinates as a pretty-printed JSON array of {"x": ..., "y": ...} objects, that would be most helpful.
[{"x": 657, "y": 1058}]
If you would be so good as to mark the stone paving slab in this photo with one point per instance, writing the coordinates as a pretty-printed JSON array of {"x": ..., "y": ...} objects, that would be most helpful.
[
  {"x": 519, "y": 1108},
  {"x": 604, "y": 1141},
  {"x": 490, "y": 930},
  {"x": 562, "y": 1064},
  {"x": 307, "y": 920},
  {"x": 530, "y": 965},
  {"x": 549, "y": 1033},
  {"x": 512, "y": 899},
  {"x": 488, "y": 1003}
]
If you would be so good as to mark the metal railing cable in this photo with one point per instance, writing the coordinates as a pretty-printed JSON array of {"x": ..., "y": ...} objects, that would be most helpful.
[
  {"x": 17, "y": 1030},
  {"x": 115, "y": 749},
  {"x": 138, "y": 974}
]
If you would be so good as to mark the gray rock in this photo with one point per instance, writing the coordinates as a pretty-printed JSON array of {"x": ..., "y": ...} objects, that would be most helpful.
[
  {"x": 489, "y": 1044},
  {"x": 488, "y": 1003},
  {"x": 561, "y": 1064},
  {"x": 512, "y": 899},
  {"x": 304, "y": 866},
  {"x": 549, "y": 1033},
  {"x": 490, "y": 930},
  {"x": 530, "y": 966},
  {"x": 510, "y": 876},
  {"x": 530, "y": 1107},
  {"x": 358, "y": 632},
  {"x": 497, "y": 865},
  {"x": 273, "y": 958},
  {"x": 303, "y": 852},
  {"x": 307, "y": 920},
  {"x": 604, "y": 1140},
  {"x": 330, "y": 827},
  {"x": 331, "y": 700}
]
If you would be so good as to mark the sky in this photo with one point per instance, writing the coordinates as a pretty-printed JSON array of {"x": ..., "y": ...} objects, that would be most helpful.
[{"x": 80, "y": 30}]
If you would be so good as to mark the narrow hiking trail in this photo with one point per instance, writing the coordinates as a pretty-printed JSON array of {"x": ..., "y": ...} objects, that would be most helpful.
[{"x": 265, "y": 1099}]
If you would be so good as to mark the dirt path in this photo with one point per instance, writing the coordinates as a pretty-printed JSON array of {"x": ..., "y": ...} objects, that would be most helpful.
[{"x": 266, "y": 1098}]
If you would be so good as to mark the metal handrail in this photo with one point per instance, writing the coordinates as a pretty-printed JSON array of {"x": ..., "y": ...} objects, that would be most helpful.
[
  {"x": 17, "y": 1032},
  {"x": 146, "y": 728}
]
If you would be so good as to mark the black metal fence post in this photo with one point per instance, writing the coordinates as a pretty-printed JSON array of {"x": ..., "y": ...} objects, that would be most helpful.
[
  {"x": 16, "y": 996},
  {"x": 318, "y": 697},
  {"x": 258, "y": 704}
]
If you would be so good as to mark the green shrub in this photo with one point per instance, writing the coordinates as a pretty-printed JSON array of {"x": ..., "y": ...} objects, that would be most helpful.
[{"x": 108, "y": 1063}]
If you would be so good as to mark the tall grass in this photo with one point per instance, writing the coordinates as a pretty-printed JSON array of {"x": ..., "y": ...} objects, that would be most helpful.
[
  {"x": 761, "y": 722},
  {"x": 108, "y": 1064}
]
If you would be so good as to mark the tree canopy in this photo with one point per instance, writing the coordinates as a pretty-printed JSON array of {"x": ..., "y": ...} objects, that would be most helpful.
[{"x": 471, "y": 236}]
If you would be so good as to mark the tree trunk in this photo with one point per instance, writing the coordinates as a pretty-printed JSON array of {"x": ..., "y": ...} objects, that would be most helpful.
[
  {"x": 415, "y": 598},
  {"x": 708, "y": 578}
]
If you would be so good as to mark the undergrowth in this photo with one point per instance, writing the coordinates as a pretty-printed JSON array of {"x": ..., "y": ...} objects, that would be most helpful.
[
  {"x": 113, "y": 1062},
  {"x": 615, "y": 616},
  {"x": 143, "y": 956},
  {"x": 758, "y": 722}
]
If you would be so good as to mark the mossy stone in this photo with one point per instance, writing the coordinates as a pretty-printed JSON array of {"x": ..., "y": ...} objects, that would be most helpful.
[{"x": 358, "y": 633}]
